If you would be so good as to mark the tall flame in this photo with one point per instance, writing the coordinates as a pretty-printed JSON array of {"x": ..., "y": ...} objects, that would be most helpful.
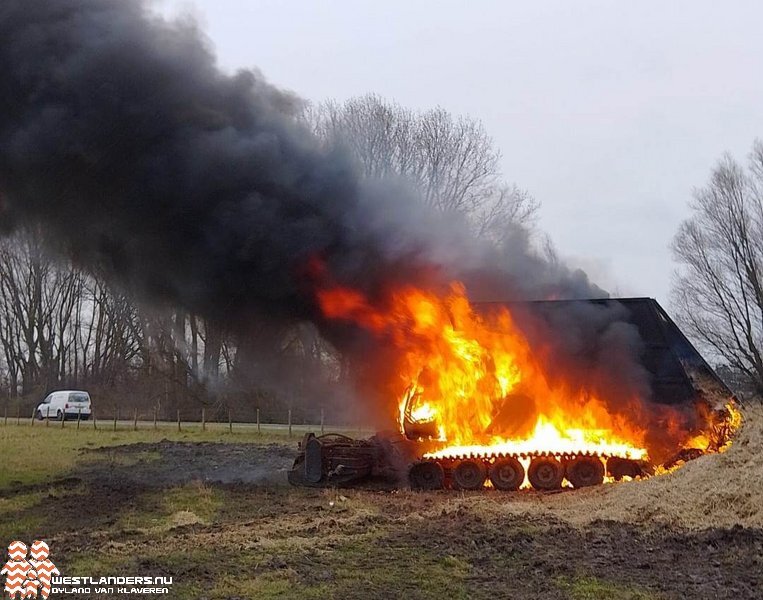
[{"x": 472, "y": 381}]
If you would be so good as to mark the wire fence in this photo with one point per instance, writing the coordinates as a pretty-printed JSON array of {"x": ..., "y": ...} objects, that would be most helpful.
[{"x": 136, "y": 420}]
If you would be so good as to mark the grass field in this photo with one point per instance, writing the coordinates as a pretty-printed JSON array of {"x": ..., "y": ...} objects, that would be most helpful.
[
  {"x": 211, "y": 510},
  {"x": 41, "y": 453}
]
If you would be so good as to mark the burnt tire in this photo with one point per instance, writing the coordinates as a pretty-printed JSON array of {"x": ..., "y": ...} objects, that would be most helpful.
[
  {"x": 469, "y": 475},
  {"x": 427, "y": 475},
  {"x": 585, "y": 471},
  {"x": 506, "y": 474},
  {"x": 545, "y": 473},
  {"x": 617, "y": 468}
]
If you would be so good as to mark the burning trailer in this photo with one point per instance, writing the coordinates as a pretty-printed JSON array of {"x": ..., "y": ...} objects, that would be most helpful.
[
  {"x": 218, "y": 189},
  {"x": 485, "y": 402}
]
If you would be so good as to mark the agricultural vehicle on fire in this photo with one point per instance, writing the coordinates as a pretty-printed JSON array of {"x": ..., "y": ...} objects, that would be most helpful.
[
  {"x": 416, "y": 456},
  {"x": 335, "y": 460}
]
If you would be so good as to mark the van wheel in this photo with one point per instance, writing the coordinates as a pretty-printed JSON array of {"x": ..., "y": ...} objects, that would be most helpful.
[
  {"x": 39, "y": 415},
  {"x": 60, "y": 416}
]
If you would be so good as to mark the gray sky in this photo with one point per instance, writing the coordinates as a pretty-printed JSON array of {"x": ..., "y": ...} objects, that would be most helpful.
[{"x": 609, "y": 113}]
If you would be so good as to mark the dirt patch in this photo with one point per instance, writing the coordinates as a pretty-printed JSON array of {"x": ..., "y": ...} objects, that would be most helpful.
[
  {"x": 168, "y": 463},
  {"x": 408, "y": 546},
  {"x": 541, "y": 554}
]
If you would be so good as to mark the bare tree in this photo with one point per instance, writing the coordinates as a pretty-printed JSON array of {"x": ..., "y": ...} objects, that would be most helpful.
[
  {"x": 60, "y": 326},
  {"x": 57, "y": 324},
  {"x": 111, "y": 337},
  {"x": 37, "y": 300},
  {"x": 451, "y": 161},
  {"x": 718, "y": 289}
]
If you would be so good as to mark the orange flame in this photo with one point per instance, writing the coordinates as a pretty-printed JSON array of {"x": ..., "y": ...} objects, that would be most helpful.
[{"x": 472, "y": 381}]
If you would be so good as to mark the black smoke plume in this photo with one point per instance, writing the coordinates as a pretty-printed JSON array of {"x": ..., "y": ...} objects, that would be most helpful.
[{"x": 140, "y": 158}]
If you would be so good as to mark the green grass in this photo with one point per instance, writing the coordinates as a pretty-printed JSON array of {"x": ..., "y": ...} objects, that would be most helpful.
[
  {"x": 19, "y": 526},
  {"x": 268, "y": 586},
  {"x": 33, "y": 456},
  {"x": 85, "y": 564},
  {"x": 379, "y": 566},
  {"x": 187, "y": 504},
  {"x": 36, "y": 454},
  {"x": 18, "y": 502},
  {"x": 592, "y": 588},
  {"x": 23, "y": 513},
  {"x": 289, "y": 570},
  {"x": 196, "y": 498}
]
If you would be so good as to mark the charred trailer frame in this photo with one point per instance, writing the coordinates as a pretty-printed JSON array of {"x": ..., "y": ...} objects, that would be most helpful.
[{"x": 334, "y": 460}]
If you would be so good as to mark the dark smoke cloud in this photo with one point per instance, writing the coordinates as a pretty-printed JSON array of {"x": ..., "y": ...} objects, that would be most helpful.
[{"x": 140, "y": 158}]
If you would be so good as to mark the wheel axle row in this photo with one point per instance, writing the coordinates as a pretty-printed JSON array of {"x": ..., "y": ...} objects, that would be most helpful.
[{"x": 507, "y": 473}]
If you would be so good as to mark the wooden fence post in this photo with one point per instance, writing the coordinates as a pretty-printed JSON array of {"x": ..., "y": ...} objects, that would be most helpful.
[
  {"x": 178, "y": 419},
  {"x": 230, "y": 422},
  {"x": 79, "y": 417},
  {"x": 289, "y": 422},
  {"x": 92, "y": 415},
  {"x": 18, "y": 414},
  {"x": 258, "y": 420},
  {"x": 31, "y": 423},
  {"x": 322, "y": 421},
  {"x": 116, "y": 417},
  {"x": 47, "y": 416},
  {"x": 135, "y": 421},
  {"x": 203, "y": 418},
  {"x": 156, "y": 415}
]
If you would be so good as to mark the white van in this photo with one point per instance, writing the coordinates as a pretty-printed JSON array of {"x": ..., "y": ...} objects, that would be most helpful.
[{"x": 65, "y": 405}]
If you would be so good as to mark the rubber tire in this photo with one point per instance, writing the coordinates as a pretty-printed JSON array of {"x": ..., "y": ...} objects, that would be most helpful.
[
  {"x": 469, "y": 474},
  {"x": 39, "y": 416},
  {"x": 584, "y": 471},
  {"x": 617, "y": 468},
  {"x": 427, "y": 475},
  {"x": 545, "y": 473},
  {"x": 505, "y": 466},
  {"x": 60, "y": 415}
]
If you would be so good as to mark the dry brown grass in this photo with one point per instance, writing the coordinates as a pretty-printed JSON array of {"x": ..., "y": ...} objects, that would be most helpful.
[{"x": 719, "y": 490}]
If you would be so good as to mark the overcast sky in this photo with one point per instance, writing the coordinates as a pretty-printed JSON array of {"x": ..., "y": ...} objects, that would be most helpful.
[{"x": 608, "y": 112}]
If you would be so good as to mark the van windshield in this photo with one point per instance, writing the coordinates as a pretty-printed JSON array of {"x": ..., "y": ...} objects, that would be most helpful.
[{"x": 79, "y": 398}]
